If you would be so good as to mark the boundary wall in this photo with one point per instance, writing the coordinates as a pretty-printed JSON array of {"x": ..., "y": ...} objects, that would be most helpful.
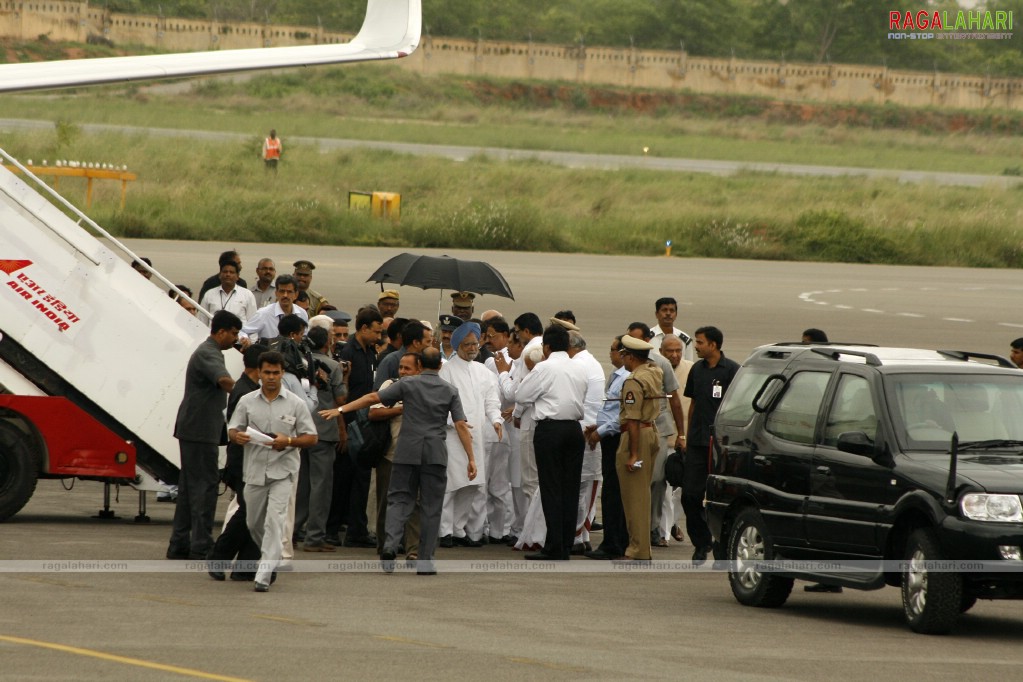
[{"x": 66, "y": 20}]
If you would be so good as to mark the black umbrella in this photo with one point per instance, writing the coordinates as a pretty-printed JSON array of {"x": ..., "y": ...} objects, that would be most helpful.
[{"x": 442, "y": 272}]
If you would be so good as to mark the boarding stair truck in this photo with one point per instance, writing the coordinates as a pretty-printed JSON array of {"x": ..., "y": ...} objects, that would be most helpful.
[{"x": 92, "y": 355}]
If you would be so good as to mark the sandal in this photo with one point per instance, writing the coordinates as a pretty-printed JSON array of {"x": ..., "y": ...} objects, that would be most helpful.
[
  {"x": 411, "y": 556},
  {"x": 660, "y": 542}
]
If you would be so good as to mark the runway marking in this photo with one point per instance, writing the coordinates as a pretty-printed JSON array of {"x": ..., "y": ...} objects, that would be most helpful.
[
  {"x": 909, "y": 314},
  {"x": 49, "y": 581},
  {"x": 547, "y": 664},
  {"x": 872, "y": 310},
  {"x": 844, "y": 307},
  {"x": 956, "y": 319},
  {"x": 188, "y": 672},
  {"x": 1010, "y": 324},
  {"x": 289, "y": 621},
  {"x": 415, "y": 642}
]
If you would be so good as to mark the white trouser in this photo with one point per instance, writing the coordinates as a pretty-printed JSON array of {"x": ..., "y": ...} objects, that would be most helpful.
[
  {"x": 464, "y": 512},
  {"x": 500, "y": 506},
  {"x": 266, "y": 508}
]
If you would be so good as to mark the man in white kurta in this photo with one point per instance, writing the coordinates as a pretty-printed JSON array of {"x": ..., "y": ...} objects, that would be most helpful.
[
  {"x": 589, "y": 487},
  {"x": 465, "y": 501}
]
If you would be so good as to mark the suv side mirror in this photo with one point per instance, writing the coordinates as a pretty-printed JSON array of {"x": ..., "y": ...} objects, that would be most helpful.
[
  {"x": 856, "y": 443},
  {"x": 769, "y": 392}
]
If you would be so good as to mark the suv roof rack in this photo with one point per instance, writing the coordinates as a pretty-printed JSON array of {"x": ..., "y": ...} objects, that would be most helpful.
[
  {"x": 871, "y": 359},
  {"x": 966, "y": 356}
]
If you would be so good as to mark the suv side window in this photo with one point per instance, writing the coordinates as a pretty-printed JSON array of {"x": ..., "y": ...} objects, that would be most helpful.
[
  {"x": 738, "y": 403},
  {"x": 852, "y": 410},
  {"x": 795, "y": 416}
]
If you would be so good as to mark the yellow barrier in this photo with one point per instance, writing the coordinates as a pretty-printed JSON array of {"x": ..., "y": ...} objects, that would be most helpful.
[{"x": 89, "y": 174}]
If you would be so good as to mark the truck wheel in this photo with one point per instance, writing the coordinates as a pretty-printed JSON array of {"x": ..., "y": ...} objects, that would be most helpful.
[
  {"x": 931, "y": 599},
  {"x": 750, "y": 542},
  {"x": 19, "y": 470}
]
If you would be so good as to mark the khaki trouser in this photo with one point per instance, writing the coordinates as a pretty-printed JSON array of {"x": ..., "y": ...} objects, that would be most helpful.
[{"x": 635, "y": 487}]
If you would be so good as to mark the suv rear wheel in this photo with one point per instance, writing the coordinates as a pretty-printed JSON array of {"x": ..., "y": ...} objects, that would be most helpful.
[
  {"x": 750, "y": 542},
  {"x": 932, "y": 600}
]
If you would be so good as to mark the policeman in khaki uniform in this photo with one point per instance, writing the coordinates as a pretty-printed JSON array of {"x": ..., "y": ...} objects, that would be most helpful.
[{"x": 638, "y": 450}]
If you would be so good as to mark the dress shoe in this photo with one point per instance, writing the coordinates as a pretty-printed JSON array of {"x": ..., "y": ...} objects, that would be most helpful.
[
  {"x": 476, "y": 543},
  {"x": 318, "y": 547},
  {"x": 387, "y": 560},
  {"x": 821, "y": 587},
  {"x": 659, "y": 542},
  {"x": 238, "y": 576},
  {"x": 540, "y": 556},
  {"x": 426, "y": 572},
  {"x": 596, "y": 525},
  {"x": 676, "y": 533},
  {"x": 218, "y": 575},
  {"x": 700, "y": 555},
  {"x": 580, "y": 549},
  {"x": 367, "y": 541},
  {"x": 447, "y": 541},
  {"x": 601, "y": 555},
  {"x": 332, "y": 540},
  {"x": 177, "y": 555},
  {"x": 512, "y": 540},
  {"x": 262, "y": 587},
  {"x": 491, "y": 540}
]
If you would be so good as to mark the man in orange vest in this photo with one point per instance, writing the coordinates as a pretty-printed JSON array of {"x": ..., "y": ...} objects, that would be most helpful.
[{"x": 272, "y": 151}]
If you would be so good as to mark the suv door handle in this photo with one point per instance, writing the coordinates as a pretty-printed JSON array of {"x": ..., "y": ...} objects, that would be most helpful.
[
  {"x": 759, "y": 459},
  {"x": 823, "y": 469}
]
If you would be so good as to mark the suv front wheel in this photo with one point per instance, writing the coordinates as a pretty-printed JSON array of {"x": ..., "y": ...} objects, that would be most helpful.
[
  {"x": 932, "y": 600},
  {"x": 749, "y": 543}
]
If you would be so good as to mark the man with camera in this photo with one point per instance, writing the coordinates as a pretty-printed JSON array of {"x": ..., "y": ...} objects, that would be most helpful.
[{"x": 316, "y": 476}]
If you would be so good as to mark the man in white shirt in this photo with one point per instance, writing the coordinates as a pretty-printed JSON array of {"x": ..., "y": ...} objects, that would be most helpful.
[
  {"x": 263, "y": 325},
  {"x": 229, "y": 296},
  {"x": 500, "y": 499},
  {"x": 556, "y": 389},
  {"x": 589, "y": 486},
  {"x": 666, "y": 309}
]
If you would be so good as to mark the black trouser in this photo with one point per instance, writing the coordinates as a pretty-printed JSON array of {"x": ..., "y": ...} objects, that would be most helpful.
[
  {"x": 693, "y": 492},
  {"x": 192, "y": 533},
  {"x": 558, "y": 445},
  {"x": 350, "y": 498},
  {"x": 236, "y": 539},
  {"x": 616, "y": 534}
]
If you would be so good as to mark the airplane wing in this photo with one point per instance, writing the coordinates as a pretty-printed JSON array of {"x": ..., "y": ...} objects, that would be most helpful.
[{"x": 391, "y": 29}]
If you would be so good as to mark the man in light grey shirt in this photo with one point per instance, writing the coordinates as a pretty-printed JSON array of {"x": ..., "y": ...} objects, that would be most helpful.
[{"x": 270, "y": 469}]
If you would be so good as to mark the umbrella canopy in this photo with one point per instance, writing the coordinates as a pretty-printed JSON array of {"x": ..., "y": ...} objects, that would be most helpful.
[{"x": 442, "y": 272}]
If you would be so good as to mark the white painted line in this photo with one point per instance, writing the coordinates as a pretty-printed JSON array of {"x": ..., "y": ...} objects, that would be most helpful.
[
  {"x": 909, "y": 314},
  {"x": 834, "y": 291},
  {"x": 843, "y": 307},
  {"x": 858, "y": 289},
  {"x": 821, "y": 302},
  {"x": 956, "y": 319},
  {"x": 872, "y": 310},
  {"x": 1010, "y": 324}
]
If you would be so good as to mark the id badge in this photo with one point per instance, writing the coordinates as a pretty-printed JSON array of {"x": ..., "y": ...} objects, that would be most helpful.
[
  {"x": 288, "y": 419},
  {"x": 715, "y": 391}
]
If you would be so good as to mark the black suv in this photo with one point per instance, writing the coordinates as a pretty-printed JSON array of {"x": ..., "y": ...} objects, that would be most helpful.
[{"x": 862, "y": 466}]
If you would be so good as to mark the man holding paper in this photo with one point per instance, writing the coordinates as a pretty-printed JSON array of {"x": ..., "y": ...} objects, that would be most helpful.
[{"x": 272, "y": 424}]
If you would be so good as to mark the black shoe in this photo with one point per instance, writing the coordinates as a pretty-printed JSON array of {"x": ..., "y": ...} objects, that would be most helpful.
[
  {"x": 262, "y": 587},
  {"x": 178, "y": 555},
  {"x": 491, "y": 540},
  {"x": 580, "y": 549},
  {"x": 367, "y": 541},
  {"x": 821, "y": 587},
  {"x": 476, "y": 543},
  {"x": 463, "y": 541},
  {"x": 512, "y": 540},
  {"x": 540, "y": 556},
  {"x": 332, "y": 540},
  {"x": 447, "y": 541},
  {"x": 387, "y": 561},
  {"x": 700, "y": 555},
  {"x": 596, "y": 525},
  {"x": 426, "y": 572},
  {"x": 243, "y": 577},
  {"x": 601, "y": 555}
]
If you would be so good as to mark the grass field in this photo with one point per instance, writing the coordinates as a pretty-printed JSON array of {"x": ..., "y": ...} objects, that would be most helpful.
[{"x": 220, "y": 190}]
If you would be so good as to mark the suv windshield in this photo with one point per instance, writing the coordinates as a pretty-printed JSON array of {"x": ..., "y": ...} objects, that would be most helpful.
[{"x": 928, "y": 408}]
